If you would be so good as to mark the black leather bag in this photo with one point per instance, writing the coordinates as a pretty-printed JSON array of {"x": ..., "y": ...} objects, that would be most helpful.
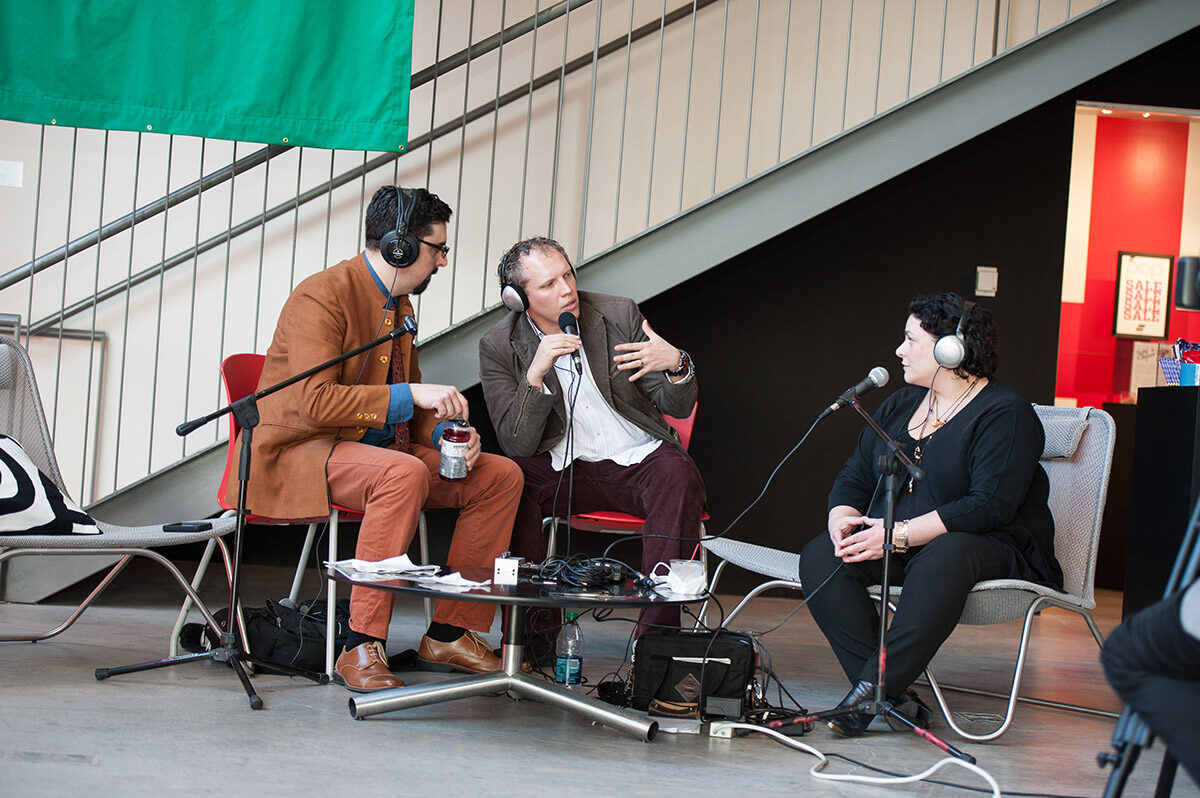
[
  {"x": 281, "y": 634},
  {"x": 674, "y": 669}
]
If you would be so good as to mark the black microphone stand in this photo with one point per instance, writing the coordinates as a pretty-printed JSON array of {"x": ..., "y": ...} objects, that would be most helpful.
[
  {"x": 1132, "y": 734},
  {"x": 891, "y": 466},
  {"x": 233, "y": 650}
]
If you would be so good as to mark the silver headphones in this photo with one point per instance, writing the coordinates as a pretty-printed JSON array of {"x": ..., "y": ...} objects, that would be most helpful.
[{"x": 951, "y": 350}]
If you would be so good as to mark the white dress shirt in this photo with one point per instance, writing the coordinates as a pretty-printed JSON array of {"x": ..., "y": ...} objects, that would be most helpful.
[{"x": 598, "y": 432}]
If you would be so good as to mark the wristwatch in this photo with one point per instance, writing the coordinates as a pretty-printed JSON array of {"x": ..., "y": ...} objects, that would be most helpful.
[
  {"x": 685, "y": 363},
  {"x": 900, "y": 537}
]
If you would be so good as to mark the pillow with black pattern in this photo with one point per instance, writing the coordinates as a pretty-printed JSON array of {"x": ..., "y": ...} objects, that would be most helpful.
[{"x": 30, "y": 502}]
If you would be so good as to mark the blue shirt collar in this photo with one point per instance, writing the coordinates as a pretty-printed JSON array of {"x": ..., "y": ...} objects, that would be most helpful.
[{"x": 391, "y": 300}]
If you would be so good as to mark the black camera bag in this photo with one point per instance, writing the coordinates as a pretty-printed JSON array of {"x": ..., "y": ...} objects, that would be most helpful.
[{"x": 673, "y": 669}]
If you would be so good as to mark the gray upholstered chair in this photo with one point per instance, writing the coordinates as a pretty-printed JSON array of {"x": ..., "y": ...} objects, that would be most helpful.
[
  {"x": 23, "y": 419},
  {"x": 1077, "y": 457}
]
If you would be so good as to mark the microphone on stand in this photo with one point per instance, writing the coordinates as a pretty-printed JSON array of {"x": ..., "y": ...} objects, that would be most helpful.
[
  {"x": 876, "y": 379},
  {"x": 409, "y": 325},
  {"x": 568, "y": 324}
]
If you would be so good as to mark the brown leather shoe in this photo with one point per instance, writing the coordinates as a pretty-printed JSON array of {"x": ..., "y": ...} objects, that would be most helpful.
[
  {"x": 364, "y": 669},
  {"x": 468, "y": 654}
]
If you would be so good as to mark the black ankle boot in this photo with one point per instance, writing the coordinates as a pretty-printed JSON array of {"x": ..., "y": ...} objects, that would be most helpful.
[
  {"x": 853, "y": 724},
  {"x": 910, "y": 705}
]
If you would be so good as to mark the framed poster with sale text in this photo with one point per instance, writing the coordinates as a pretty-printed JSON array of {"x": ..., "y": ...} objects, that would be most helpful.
[{"x": 1143, "y": 295}]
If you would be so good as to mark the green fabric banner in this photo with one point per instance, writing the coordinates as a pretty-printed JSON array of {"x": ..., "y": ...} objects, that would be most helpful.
[{"x": 316, "y": 73}]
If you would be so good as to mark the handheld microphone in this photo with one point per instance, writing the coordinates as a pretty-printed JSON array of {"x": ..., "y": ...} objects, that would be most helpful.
[
  {"x": 876, "y": 379},
  {"x": 570, "y": 325}
]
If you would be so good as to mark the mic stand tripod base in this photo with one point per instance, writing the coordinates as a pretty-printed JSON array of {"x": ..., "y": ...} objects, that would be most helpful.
[
  {"x": 875, "y": 709},
  {"x": 227, "y": 653}
]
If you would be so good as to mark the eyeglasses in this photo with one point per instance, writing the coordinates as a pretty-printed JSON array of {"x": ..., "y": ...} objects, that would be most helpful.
[{"x": 442, "y": 248}]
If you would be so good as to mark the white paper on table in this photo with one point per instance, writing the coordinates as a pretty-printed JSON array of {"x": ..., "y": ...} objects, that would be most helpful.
[
  {"x": 392, "y": 566},
  {"x": 403, "y": 566}
]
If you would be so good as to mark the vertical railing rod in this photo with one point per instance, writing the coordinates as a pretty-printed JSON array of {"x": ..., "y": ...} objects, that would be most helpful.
[
  {"x": 37, "y": 208},
  {"x": 591, "y": 128},
  {"x": 720, "y": 93},
  {"x": 846, "y": 76},
  {"x": 162, "y": 279},
  {"x": 879, "y": 59},
  {"x": 562, "y": 83},
  {"x": 942, "y": 49},
  {"x": 58, "y": 361},
  {"x": 437, "y": 69},
  {"x": 812, "y": 120},
  {"x": 783, "y": 83},
  {"x": 87, "y": 401},
  {"x": 187, "y": 375},
  {"x": 434, "y": 71},
  {"x": 624, "y": 116},
  {"x": 528, "y": 125},
  {"x": 975, "y": 31},
  {"x": 912, "y": 45},
  {"x": 462, "y": 160},
  {"x": 295, "y": 224},
  {"x": 687, "y": 105},
  {"x": 137, "y": 167},
  {"x": 225, "y": 275},
  {"x": 1007, "y": 22},
  {"x": 662, "y": 27},
  {"x": 487, "y": 230},
  {"x": 262, "y": 252},
  {"x": 750, "y": 98}
]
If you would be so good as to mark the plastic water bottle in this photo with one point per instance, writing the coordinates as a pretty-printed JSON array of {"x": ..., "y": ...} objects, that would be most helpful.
[{"x": 569, "y": 647}]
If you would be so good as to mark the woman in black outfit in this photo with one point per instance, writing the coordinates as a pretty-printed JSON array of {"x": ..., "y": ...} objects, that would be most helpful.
[{"x": 980, "y": 513}]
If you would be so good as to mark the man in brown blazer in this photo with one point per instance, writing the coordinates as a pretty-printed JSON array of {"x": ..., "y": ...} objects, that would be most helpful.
[{"x": 363, "y": 435}]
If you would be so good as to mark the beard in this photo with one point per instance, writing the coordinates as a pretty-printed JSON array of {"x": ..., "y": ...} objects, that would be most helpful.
[{"x": 420, "y": 288}]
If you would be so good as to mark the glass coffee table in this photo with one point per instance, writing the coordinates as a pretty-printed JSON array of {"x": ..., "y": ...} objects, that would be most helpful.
[{"x": 511, "y": 679}]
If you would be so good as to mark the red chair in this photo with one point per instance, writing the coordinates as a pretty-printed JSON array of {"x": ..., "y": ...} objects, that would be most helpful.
[
  {"x": 613, "y": 523},
  {"x": 240, "y": 373}
]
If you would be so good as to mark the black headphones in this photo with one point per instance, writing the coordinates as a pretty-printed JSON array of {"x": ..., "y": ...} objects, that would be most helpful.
[
  {"x": 951, "y": 350},
  {"x": 399, "y": 247}
]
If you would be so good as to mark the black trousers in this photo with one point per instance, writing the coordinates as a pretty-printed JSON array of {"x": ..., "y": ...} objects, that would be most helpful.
[
  {"x": 936, "y": 579},
  {"x": 1154, "y": 665}
]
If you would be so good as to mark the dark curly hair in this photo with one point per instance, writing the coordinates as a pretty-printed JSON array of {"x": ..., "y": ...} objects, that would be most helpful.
[
  {"x": 939, "y": 315},
  {"x": 510, "y": 269},
  {"x": 381, "y": 214}
]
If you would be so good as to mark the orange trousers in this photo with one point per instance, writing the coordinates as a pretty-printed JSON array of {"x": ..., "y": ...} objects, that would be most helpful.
[{"x": 391, "y": 489}]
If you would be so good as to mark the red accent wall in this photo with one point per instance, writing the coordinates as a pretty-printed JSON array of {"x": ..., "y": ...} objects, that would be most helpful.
[{"x": 1137, "y": 206}]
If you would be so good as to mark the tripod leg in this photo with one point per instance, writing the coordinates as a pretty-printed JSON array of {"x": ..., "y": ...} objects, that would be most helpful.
[
  {"x": 104, "y": 673},
  {"x": 925, "y": 734},
  {"x": 1166, "y": 775},
  {"x": 234, "y": 659}
]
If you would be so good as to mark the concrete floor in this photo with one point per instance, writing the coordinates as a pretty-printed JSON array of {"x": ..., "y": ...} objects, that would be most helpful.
[{"x": 187, "y": 730}]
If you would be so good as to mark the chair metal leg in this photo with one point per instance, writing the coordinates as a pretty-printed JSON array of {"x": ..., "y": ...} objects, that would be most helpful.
[
  {"x": 702, "y": 615},
  {"x": 423, "y": 538},
  {"x": 306, "y": 550},
  {"x": 550, "y": 532},
  {"x": 83, "y": 605},
  {"x": 173, "y": 649},
  {"x": 331, "y": 595},
  {"x": 1018, "y": 671}
]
